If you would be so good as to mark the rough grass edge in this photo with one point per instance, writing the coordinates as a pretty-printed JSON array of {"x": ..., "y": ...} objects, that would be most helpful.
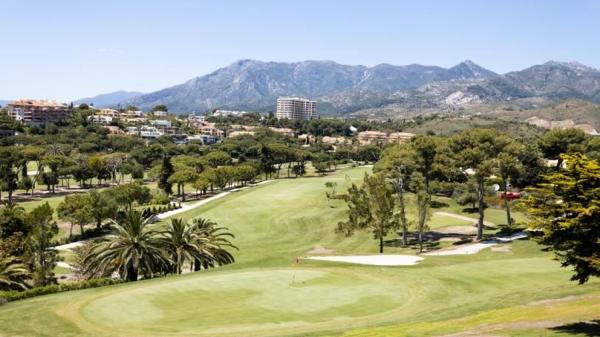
[{"x": 13, "y": 295}]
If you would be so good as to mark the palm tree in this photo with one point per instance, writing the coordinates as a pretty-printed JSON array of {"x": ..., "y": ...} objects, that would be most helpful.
[
  {"x": 132, "y": 249},
  {"x": 217, "y": 242},
  {"x": 13, "y": 274},
  {"x": 183, "y": 244},
  {"x": 12, "y": 218},
  {"x": 199, "y": 245}
]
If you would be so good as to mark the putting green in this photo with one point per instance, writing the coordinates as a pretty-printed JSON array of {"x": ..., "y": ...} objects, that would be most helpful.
[
  {"x": 295, "y": 298},
  {"x": 266, "y": 294}
]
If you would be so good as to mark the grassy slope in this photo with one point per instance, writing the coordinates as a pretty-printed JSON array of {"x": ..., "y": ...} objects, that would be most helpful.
[{"x": 265, "y": 293}]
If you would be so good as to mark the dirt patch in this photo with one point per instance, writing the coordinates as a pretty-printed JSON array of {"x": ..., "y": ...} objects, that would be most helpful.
[
  {"x": 502, "y": 249},
  {"x": 65, "y": 225},
  {"x": 465, "y": 230},
  {"x": 471, "y": 334},
  {"x": 465, "y": 218},
  {"x": 450, "y": 239},
  {"x": 551, "y": 302},
  {"x": 320, "y": 250},
  {"x": 497, "y": 330},
  {"x": 490, "y": 330}
]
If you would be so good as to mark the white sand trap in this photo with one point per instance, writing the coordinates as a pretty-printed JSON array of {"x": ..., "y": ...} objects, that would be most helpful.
[
  {"x": 477, "y": 247},
  {"x": 373, "y": 260},
  {"x": 463, "y": 250}
]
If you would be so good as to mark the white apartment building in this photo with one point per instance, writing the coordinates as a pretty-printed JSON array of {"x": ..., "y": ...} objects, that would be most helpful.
[
  {"x": 100, "y": 119},
  {"x": 144, "y": 131},
  {"x": 38, "y": 111},
  {"x": 296, "y": 108},
  {"x": 149, "y": 132}
]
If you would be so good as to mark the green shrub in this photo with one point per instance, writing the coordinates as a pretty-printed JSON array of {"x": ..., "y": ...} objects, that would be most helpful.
[
  {"x": 160, "y": 198},
  {"x": 11, "y": 296}
]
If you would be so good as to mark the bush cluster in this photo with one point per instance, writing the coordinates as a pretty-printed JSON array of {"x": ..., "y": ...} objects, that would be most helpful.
[
  {"x": 10, "y": 296},
  {"x": 162, "y": 209}
]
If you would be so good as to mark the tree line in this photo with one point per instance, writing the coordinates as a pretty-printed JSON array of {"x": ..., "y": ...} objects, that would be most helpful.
[{"x": 561, "y": 199}]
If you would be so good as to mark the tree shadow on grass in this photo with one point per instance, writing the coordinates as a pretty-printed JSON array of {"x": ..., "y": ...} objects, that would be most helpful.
[
  {"x": 586, "y": 328},
  {"x": 471, "y": 210},
  {"x": 431, "y": 240},
  {"x": 439, "y": 204}
]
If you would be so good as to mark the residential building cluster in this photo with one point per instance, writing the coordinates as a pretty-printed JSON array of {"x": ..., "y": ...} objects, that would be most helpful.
[
  {"x": 240, "y": 130},
  {"x": 34, "y": 111},
  {"x": 159, "y": 123},
  {"x": 382, "y": 138},
  {"x": 107, "y": 116},
  {"x": 227, "y": 113}
]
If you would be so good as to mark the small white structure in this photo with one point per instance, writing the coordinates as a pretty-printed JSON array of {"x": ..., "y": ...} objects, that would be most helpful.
[
  {"x": 159, "y": 113},
  {"x": 133, "y": 130},
  {"x": 193, "y": 118},
  {"x": 162, "y": 123},
  {"x": 204, "y": 139},
  {"x": 149, "y": 132},
  {"x": 225, "y": 113},
  {"x": 100, "y": 119}
]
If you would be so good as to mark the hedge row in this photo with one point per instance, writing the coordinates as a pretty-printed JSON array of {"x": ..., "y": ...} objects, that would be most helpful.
[
  {"x": 162, "y": 209},
  {"x": 10, "y": 296}
]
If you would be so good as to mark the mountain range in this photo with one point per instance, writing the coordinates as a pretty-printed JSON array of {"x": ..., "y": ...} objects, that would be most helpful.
[
  {"x": 109, "y": 99},
  {"x": 342, "y": 89}
]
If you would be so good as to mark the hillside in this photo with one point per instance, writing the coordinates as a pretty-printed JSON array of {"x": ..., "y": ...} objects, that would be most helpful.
[
  {"x": 552, "y": 81},
  {"x": 109, "y": 99},
  {"x": 447, "y": 126},
  {"x": 255, "y": 85},
  {"x": 579, "y": 111},
  {"x": 343, "y": 89}
]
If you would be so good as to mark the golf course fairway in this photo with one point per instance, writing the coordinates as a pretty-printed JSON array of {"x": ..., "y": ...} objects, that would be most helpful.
[{"x": 517, "y": 291}]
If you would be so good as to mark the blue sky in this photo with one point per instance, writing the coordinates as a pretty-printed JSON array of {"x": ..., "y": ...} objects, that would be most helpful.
[{"x": 71, "y": 49}]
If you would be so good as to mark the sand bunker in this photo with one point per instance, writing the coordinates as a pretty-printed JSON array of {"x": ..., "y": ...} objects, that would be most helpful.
[
  {"x": 474, "y": 248},
  {"x": 373, "y": 260}
]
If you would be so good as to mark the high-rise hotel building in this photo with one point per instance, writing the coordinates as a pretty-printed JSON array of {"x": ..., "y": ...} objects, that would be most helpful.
[{"x": 296, "y": 108}]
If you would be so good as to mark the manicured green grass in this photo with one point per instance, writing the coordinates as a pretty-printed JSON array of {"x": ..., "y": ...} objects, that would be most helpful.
[{"x": 266, "y": 294}]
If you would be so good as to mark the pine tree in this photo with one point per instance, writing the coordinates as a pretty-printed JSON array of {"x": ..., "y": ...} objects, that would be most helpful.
[
  {"x": 166, "y": 170},
  {"x": 565, "y": 208}
]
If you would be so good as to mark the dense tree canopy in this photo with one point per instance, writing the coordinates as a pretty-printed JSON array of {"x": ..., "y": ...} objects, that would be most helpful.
[{"x": 565, "y": 207}]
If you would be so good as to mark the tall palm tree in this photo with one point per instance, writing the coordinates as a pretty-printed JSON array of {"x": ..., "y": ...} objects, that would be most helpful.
[
  {"x": 199, "y": 245},
  {"x": 183, "y": 244},
  {"x": 218, "y": 239},
  {"x": 132, "y": 249},
  {"x": 13, "y": 274}
]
